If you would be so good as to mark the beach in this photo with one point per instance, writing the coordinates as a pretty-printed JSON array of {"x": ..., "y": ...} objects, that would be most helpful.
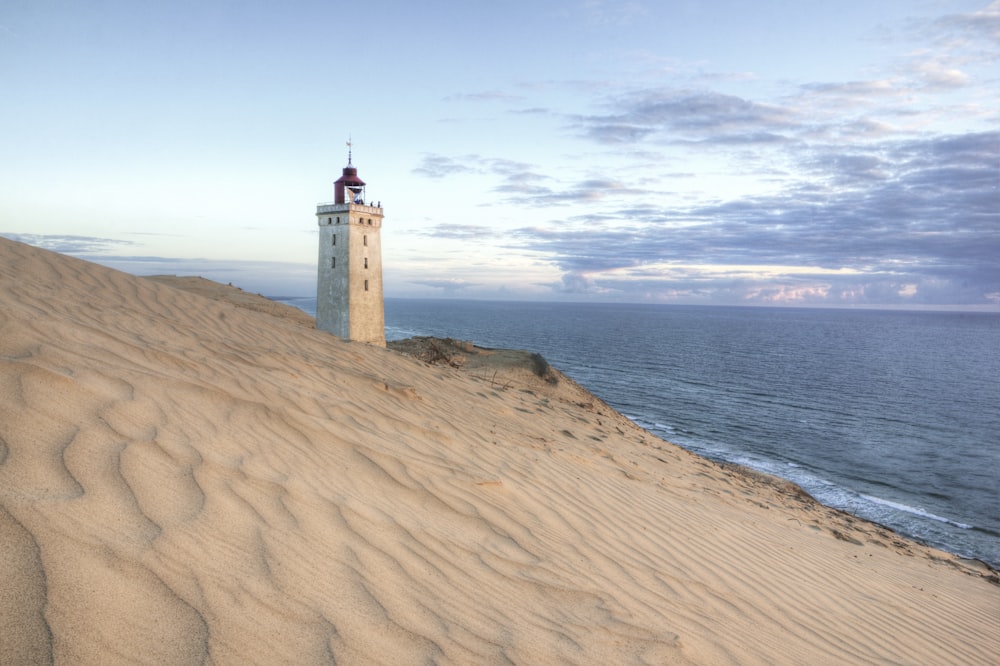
[{"x": 193, "y": 474}]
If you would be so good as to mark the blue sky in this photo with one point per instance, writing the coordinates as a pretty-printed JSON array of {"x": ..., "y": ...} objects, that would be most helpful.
[{"x": 759, "y": 153}]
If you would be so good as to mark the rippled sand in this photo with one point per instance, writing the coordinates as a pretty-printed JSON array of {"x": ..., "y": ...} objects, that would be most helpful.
[{"x": 185, "y": 479}]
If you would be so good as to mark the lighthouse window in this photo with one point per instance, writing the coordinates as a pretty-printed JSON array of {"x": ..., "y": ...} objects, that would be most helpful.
[
  {"x": 333, "y": 262},
  {"x": 366, "y": 285},
  {"x": 365, "y": 239},
  {"x": 329, "y": 220},
  {"x": 338, "y": 219},
  {"x": 334, "y": 240},
  {"x": 366, "y": 262}
]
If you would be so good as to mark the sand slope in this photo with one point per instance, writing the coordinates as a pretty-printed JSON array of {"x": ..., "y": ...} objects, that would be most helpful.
[{"x": 187, "y": 481}]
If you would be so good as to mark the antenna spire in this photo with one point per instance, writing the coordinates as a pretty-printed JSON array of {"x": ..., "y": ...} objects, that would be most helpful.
[{"x": 349, "y": 150}]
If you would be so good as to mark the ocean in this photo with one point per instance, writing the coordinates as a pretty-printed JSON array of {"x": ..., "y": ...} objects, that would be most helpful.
[{"x": 891, "y": 416}]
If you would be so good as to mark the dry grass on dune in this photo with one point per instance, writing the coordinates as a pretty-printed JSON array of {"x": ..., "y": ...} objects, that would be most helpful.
[{"x": 184, "y": 480}]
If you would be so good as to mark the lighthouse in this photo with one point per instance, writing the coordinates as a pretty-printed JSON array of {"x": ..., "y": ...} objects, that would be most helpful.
[{"x": 349, "y": 300}]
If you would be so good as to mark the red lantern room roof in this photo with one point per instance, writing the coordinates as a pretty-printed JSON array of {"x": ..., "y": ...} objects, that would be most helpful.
[{"x": 350, "y": 178}]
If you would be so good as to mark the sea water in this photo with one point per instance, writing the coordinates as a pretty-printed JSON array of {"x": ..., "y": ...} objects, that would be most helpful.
[{"x": 891, "y": 416}]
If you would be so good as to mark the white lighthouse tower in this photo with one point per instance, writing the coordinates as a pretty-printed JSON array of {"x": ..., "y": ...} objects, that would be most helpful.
[{"x": 349, "y": 300}]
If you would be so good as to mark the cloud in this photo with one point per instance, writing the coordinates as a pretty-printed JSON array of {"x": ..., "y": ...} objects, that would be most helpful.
[
  {"x": 485, "y": 96},
  {"x": 518, "y": 178},
  {"x": 914, "y": 221},
  {"x": 448, "y": 285},
  {"x": 464, "y": 232},
  {"x": 518, "y": 175},
  {"x": 838, "y": 192},
  {"x": 439, "y": 166},
  {"x": 960, "y": 42},
  {"x": 576, "y": 283},
  {"x": 523, "y": 182},
  {"x": 744, "y": 139},
  {"x": 817, "y": 101},
  {"x": 856, "y": 90},
  {"x": 69, "y": 244},
  {"x": 862, "y": 129},
  {"x": 588, "y": 190},
  {"x": 612, "y": 131},
  {"x": 705, "y": 116},
  {"x": 938, "y": 73},
  {"x": 982, "y": 24},
  {"x": 847, "y": 168}
]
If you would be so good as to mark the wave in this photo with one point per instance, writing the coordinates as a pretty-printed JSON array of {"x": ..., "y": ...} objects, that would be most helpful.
[
  {"x": 916, "y": 511},
  {"x": 829, "y": 492}
]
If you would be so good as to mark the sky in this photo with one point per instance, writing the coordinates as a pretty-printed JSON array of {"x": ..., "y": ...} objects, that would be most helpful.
[{"x": 776, "y": 152}]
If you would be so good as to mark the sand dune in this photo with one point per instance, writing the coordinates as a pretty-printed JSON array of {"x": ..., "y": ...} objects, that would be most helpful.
[{"x": 186, "y": 481}]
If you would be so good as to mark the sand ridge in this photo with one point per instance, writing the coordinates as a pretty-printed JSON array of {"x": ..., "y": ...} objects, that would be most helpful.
[{"x": 187, "y": 481}]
